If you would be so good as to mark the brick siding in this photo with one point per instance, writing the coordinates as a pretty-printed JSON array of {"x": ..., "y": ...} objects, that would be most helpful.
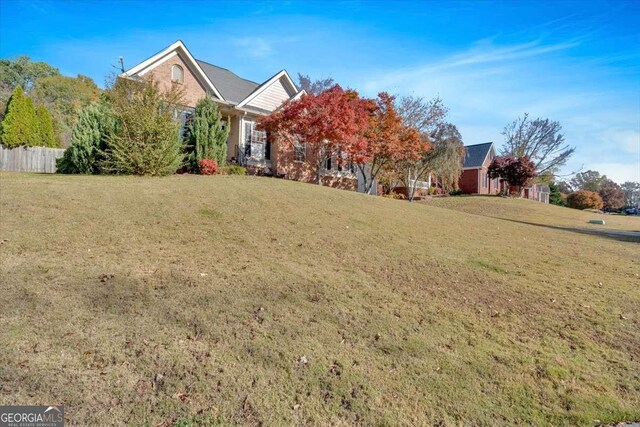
[{"x": 191, "y": 87}]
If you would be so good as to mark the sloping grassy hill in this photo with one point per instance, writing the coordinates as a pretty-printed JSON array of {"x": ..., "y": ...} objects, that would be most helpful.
[
  {"x": 535, "y": 213},
  {"x": 255, "y": 301}
]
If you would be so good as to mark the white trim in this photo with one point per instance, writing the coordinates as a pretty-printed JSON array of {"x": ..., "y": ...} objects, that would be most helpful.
[
  {"x": 487, "y": 155},
  {"x": 299, "y": 95},
  {"x": 162, "y": 56},
  {"x": 265, "y": 85},
  {"x": 247, "y": 111}
]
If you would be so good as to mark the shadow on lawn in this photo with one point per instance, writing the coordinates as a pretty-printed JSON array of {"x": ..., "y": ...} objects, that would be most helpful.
[{"x": 620, "y": 235}]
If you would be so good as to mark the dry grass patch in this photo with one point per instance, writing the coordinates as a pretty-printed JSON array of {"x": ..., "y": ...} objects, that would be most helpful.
[
  {"x": 533, "y": 212},
  {"x": 255, "y": 301}
]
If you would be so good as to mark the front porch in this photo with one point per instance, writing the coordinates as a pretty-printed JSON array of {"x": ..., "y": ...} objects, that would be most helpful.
[{"x": 246, "y": 145}]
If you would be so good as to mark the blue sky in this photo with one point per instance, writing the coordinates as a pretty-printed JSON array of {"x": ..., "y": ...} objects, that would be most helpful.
[{"x": 577, "y": 62}]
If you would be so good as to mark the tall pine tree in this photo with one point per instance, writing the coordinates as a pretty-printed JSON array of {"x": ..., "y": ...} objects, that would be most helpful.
[
  {"x": 20, "y": 124},
  {"x": 95, "y": 125},
  {"x": 207, "y": 137},
  {"x": 46, "y": 134}
]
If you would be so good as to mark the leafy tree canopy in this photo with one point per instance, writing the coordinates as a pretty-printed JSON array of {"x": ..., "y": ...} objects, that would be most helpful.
[
  {"x": 584, "y": 199},
  {"x": 612, "y": 195},
  {"x": 330, "y": 125},
  {"x": 588, "y": 180},
  {"x": 65, "y": 97},
  {"x": 23, "y": 72},
  {"x": 516, "y": 171}
]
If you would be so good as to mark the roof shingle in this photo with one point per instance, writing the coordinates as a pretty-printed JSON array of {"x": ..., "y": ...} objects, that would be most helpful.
[
  {"x": 476, "y": 154},
  {"x": 232, "y": 87}
]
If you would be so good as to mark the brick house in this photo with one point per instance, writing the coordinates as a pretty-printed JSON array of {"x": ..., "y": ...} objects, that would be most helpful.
[
  {"x": 241, "y": 102},
  {"x": 475, "y": 178}
]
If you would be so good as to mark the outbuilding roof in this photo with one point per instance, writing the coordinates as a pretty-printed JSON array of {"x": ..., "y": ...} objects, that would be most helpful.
[{"x": 476, "y": 154}]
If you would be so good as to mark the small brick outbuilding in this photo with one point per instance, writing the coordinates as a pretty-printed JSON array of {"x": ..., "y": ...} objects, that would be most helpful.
[{"x": 475, "y": 178}]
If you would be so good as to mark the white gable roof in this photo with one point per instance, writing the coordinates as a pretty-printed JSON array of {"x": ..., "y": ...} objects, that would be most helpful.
[
  {"x": 162, "y": 56},
  {"x": 281, "y": 85}
]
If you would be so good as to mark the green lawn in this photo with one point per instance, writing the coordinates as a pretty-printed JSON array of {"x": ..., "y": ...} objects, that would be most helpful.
[{"x": 253, "y": 301}]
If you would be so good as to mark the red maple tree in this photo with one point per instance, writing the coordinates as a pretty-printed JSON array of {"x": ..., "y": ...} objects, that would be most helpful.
[
  {"x": 516, "y": 171},
  {"x": 388, "y": 139},
  {"x": 331, "y": 124}
]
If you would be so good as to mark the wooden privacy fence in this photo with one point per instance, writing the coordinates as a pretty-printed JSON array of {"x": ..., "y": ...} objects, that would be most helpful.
[{"x": 29, "y": 159}]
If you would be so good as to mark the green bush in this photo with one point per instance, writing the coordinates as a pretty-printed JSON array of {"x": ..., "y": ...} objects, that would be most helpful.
[
  {"x": 555, "y": 197},
  {"x": 456, "y": 192},
  {"x": 233, "y": 170},
  {"x": 584, "y": 199},
  {"x": 147, "y": 141},
  {"x": 95, "y": 125},
  {"x": 207, "y": 139}
]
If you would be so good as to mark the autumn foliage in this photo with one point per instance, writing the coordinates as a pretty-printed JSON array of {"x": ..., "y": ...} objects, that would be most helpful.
[
  {"x": 584, "y": 199},
  {"x": 341, "y": 125},
  {"x": 389, "y": 141},
  {"x": 517, "y": 172},
  {"x": 330, "y": 125},
  {"x": 208, "y": 167}
]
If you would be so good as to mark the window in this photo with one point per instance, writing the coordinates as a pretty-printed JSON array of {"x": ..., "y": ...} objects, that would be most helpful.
[
  {"x": 177, "y": 74},
  {"x": 339, "y": 164},
  {"x": 248, "y": 127},
  {"x": 299, "y": 151},
  {"x": 185, "y": 117},
  {"x": 485, "y": 182},
  {"x": 256, "y": 144}
]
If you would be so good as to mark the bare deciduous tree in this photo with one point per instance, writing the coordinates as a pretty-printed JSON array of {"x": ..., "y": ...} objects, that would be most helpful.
[
  {"x": 541, "y": 140},
  {"x": 446, "y": 155},
  {"x": 423, "y": 116},
  {"x": 314, "y": 87}
]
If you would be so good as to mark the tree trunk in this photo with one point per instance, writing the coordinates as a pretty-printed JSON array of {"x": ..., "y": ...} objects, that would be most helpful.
[{"x": 318, "y": 173}]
